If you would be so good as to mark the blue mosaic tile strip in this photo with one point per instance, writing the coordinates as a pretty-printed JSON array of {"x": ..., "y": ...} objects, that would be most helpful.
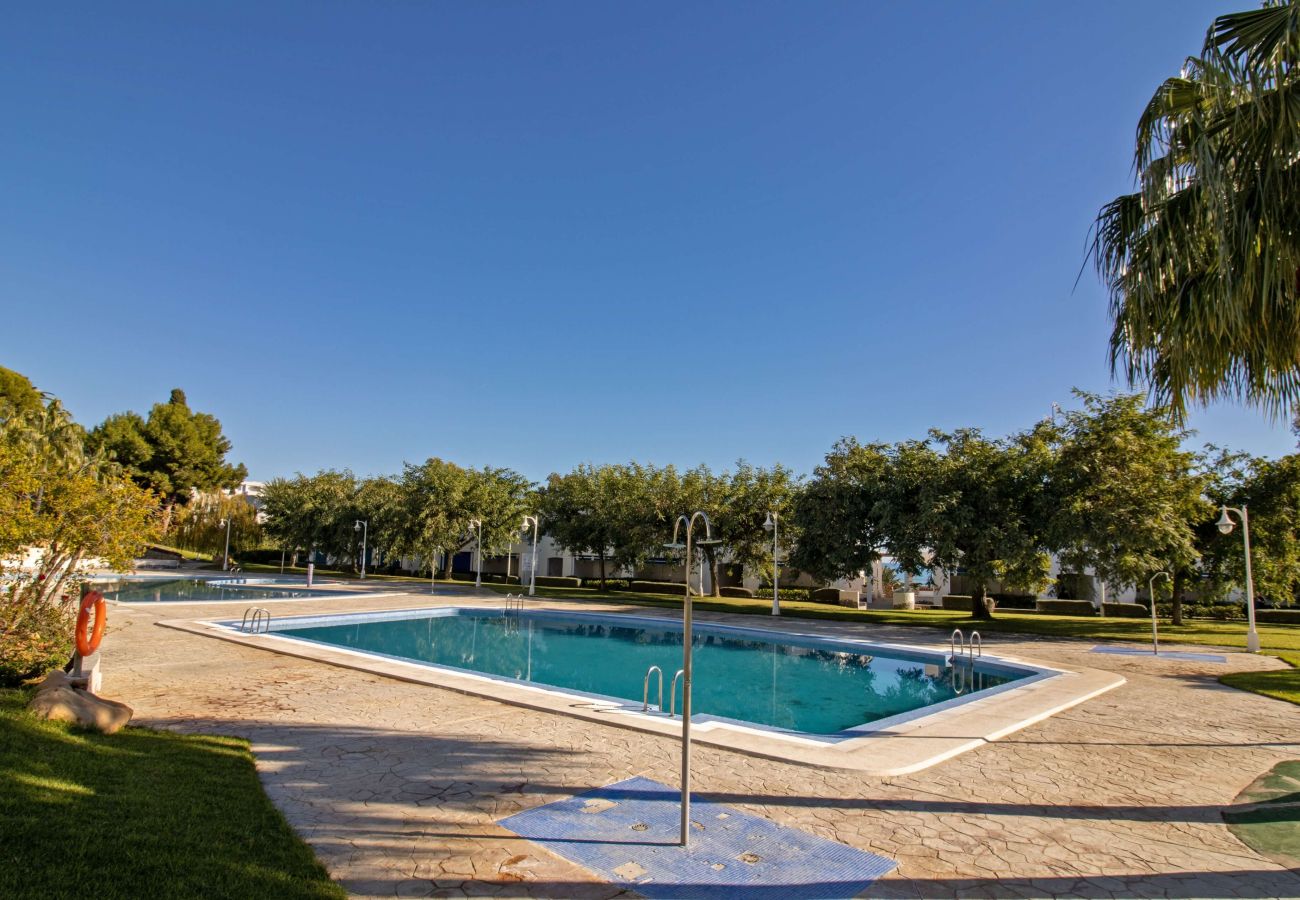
[
  {"x": 1164, "y": 654},
  {"x": 627, "y": 834}
]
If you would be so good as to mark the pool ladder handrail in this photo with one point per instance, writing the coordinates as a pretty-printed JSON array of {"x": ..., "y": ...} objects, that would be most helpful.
[
  {"x": 514, "y": 602},
  {"x": 972, "y": 649},
  {"x": 645, "y": 694},
  {"x": 252, "y": 617},
  {"x": 672, "y": 694}
]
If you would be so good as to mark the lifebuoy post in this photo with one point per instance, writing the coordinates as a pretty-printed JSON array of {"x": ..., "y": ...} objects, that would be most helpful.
[{"x": 88, "y": 638}]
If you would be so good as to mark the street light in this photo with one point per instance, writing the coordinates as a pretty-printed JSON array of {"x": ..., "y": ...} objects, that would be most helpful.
[
  {"x": 478, "y": 551},
  {"x": 362, "y": 526},
  {"x": 771, "y": 525},
  {"x": 1225, "y": 527},
  {"x": 1151, "y": 592},
  {"x": 686, "y": 658},
  {"x": 225, "y": 557},
  {"x": 535, "y": 524}
]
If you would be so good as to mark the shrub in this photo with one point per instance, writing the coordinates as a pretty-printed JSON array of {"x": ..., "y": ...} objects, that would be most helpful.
[
  {"x": 1124, "y": 610},
  {"x": 1067, "y": 607},
  {"x": 1015, "y": 601},
  {"x": 611, "y": 584},
  {"x": 824, "y": 595},
  {"x": 559, "y": 581},
  {"x": 1278, "y": 616},
  {"x": 963, "y": 603},
  {"x": 799, "y": 594},
  {"x": 737, "y": 592},
  {"x": 37, "y": 637},
  {"x": 658, "y": 587}
]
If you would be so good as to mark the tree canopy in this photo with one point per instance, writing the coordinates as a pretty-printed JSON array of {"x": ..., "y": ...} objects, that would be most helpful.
[{"x": 173, "y": 453}]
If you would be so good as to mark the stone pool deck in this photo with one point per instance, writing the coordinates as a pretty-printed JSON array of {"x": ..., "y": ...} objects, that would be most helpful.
[{"x": 399, "y": 786}]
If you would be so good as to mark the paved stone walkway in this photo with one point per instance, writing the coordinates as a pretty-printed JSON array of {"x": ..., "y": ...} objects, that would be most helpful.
[{"x": 398, "y": 786}]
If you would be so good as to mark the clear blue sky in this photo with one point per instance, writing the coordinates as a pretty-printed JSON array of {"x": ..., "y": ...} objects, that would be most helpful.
[{"x": 536, "y": 234}]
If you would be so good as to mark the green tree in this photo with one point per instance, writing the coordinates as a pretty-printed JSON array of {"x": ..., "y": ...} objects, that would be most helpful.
[
  {"x": 72, "y": 511},
  {"x": 285, "y": 511},
  {"x": 737, "y": 504},
  {"x": 379, "y": 503},
  {"x": 198, "y": 524},
  {"x": 982, "y": 510},
  {"x": 1124, "y": 494},
  {"x": 1270, "y": 492},
  {"x": 835, "y": 516},
  {"x": 499, "y": 498},
  {"x": 174, "y": 452},
  {"x": 436, "y": 509},
  {"x": 616, "y": 513},
  {"x": 1202, "y": 261}
]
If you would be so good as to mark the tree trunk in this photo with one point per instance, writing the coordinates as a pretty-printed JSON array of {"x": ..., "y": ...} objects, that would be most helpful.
[
  {"x": 711, "y": 557},
  {"x": 979, "y": 604},
  {"x": 167, "y": 515},
  {"x": 1177, "y": 587},
  {"x": 448, "y": 563},
  {"x": 602, "y": 570}
]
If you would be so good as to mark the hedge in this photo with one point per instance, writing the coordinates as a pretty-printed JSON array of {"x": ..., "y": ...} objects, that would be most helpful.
[
  {"x": 657, "y": 587},
  {"x": 560, "y": 581},
  {"x": 1278, "y": 616},
  {"x": 1015, "y": 601},
  {"x": 801, "y": 594},
  {"x": 825, "y": 595},
  {"x": 1123, "y": 610},
  {"x": 737, "y": 592},
  {"x": 611, "y": 584},
  {"x": 1070, "y": 607}
]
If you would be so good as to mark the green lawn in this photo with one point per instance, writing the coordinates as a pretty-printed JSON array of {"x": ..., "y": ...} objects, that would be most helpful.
[
  {"x": 140, "y": 813},
  {"x": 1281, "y": 684}
]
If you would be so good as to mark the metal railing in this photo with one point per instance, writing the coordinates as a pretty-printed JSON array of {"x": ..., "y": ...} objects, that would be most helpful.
[
  {"x": 253, "y": 617},
  {"x": 514, "y": 602},
  {"x": 964, "y": 652},
  {"x": 645, "y": 694},
  {"x": 672, "y": 694}
]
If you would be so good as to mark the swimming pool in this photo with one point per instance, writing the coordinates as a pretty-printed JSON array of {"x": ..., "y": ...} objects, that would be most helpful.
[
  {"x": 201, "y": 590},
  {"x": 804, "y": 684}
]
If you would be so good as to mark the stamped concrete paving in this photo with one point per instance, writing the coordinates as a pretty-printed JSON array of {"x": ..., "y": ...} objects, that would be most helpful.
[{"x": 398, "y": 786}]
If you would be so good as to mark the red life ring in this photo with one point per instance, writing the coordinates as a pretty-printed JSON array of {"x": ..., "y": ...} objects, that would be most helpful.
[{"x": 87, "y": 645}]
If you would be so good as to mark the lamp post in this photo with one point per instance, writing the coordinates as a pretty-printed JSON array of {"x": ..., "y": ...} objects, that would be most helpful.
[
  {"x": 534, "y": 523},
  {"x": 686, "y": 658},
  {"x": 1151, "y": 592},
  {"x": 225, "y": 557},
  {"x": 478, "y": 551},
  {"x": 1225, "y": 524},
  {"x": 771, "y": 525},
  {"x": 362, "y": 526}
]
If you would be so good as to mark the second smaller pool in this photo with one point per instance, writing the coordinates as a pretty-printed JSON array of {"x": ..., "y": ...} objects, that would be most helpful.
[{"x": 202, "y": 590}]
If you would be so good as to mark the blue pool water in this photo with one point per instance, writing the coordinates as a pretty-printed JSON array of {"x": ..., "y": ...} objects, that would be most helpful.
[
  {"x": 803, "y": 684},
  {"x": 173, "y": 590}
]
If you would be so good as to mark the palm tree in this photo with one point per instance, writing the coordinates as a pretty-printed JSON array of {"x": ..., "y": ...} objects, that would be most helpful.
[{"x": 1202, "y": 261}]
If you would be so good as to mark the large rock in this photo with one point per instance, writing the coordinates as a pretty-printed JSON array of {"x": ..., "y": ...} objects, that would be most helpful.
[{"x": 58, "y": 700}]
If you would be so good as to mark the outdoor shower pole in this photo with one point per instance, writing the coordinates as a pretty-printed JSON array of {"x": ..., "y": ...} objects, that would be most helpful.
[{"x": 686, "y": 664}]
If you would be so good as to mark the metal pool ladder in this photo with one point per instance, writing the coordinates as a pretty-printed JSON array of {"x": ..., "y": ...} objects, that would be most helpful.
[
  {"x": 672, "y": 694},
  {"x": 514, "y": 602},
  {"x": 645, "y": 695},
  {"x": 253, "y": 617},
  {"x": 968, "y": 650}
]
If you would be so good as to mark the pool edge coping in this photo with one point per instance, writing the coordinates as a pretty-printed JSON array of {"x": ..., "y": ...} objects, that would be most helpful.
[{"x": 900, "y": 748}]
